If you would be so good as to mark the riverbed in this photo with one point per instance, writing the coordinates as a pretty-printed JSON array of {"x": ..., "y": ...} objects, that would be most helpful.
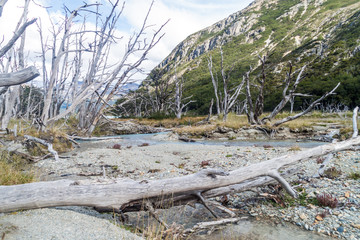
[{"x": 158, "y": 156}]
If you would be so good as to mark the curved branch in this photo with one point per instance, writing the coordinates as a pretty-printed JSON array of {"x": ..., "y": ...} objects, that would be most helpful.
[
  {"x": 20, "y": 77},
  {"x": 16, "y": 36}
]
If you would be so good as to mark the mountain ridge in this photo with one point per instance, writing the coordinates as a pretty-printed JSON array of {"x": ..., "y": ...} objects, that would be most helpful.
[{"x": 323, "y": 34}]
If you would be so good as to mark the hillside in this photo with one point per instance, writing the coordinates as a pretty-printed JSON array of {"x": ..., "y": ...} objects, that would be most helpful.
[{"x": 324, "y": 34}]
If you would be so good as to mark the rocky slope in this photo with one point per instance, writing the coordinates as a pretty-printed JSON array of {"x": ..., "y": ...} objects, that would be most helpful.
[{"x": 324, "y": 34}]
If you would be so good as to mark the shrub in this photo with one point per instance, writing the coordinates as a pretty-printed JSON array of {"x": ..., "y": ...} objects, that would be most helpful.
[
  {"x": 11, "y": 170},
  {"x": 332, "y": 173},
  {"x": 143, "y": 145},
  {"x": 295, "y": 148},
  {"x": 354, "y": 176},
  {"x": 117, "y": 146},
  {"x": 327, "y": 200}
]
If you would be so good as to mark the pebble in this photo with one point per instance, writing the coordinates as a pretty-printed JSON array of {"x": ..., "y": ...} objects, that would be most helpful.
[{"x": 340, "y": 229}]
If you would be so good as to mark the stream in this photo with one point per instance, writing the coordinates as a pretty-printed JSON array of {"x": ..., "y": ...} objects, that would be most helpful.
[{"x": 159, "y": 138}]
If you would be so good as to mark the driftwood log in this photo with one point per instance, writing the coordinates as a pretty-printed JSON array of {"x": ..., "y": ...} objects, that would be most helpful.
[{"x": 125, "y": 194}]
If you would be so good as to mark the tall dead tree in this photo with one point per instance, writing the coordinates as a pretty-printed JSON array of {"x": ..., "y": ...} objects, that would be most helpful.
[
  {"x": 180, "y": 102},
  {"x": 225, "y": 99},
  {"x": 100, "y": 78},
  {"x": 11, "y": 81},
  {"x": 254, "y": 112}
]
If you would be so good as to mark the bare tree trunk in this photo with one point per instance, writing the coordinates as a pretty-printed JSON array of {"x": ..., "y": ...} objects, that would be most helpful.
[
  {"x": 249, "y": 109},
  {"x": 10, "y": 101},
  {"x": 355, "y": 114},
  {"x": 123, "y": 194},
  {"x": 287, "y": 95},
  {"x": 215, "y": 85}
]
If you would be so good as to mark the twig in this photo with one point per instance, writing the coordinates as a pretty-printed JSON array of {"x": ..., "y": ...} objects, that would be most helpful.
[
  {"x": 150, "y": 208},
  {"x": 321, "y": 170}
]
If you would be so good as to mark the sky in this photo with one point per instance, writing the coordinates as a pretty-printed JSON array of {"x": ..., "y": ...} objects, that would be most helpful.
[{"x": 186, "y": 17}]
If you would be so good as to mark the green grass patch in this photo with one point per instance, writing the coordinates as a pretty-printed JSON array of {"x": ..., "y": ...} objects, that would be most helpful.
[{"x": 14, "y": 170}]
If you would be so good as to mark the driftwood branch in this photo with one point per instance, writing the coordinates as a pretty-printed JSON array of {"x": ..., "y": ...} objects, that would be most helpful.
[
  {"x": 125, "y": 193},
  {"x": 45, "y": 143},
  {"x": 20, "y": 77}
]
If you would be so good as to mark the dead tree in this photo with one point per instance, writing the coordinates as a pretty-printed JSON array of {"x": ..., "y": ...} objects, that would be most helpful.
[
  {"x": 159, "y": 91},
  {"x": 130, "y": 195},
  {"x": 179, "y": 101},
  {"x": 101, "y": 79},
  {"x": 19, "y": 77},
  {"x": 20, "y": 74},
  {"x": 289, "y": 93},
  {"x": 225, "y": 99},
  {"x": 254, "y": 111},
  {"x": 307, "y": 110}
]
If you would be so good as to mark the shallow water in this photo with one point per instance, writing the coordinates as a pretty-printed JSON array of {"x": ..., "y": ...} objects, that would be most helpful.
[
  {"x": 152, "y": 138},
  {"x": 261, "y": 230}
]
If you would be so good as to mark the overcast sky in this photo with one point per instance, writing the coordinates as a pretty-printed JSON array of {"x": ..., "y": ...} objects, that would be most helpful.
[{"x": 186, "y": 17}]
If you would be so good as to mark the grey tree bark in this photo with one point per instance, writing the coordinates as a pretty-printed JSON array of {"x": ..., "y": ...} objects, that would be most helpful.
[{"x": 19, "y": 77}]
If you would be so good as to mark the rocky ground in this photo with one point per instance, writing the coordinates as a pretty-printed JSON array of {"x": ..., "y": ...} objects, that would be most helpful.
[{"x": 156, "y": 159}]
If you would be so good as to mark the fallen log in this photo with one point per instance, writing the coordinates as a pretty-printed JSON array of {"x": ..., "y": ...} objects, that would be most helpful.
[
  {"x": 45, "y": 143},
  {"x": 95, "y": 138},
  {"x": 121, "y": 193}
]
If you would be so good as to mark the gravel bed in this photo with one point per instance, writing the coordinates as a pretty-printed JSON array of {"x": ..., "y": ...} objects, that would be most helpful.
[{"x": 164, "y": 160}]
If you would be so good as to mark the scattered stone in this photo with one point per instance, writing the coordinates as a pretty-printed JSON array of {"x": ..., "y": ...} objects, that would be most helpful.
[
  {"x": 356, "y": 226},
  {"x": 302, "y": 216},
  {"x": 340, "y": 229}
]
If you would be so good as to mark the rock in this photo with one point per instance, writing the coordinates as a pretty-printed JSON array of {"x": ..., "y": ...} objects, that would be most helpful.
[
  {"x": 306, "y": 227},
  {"x": 356, "y": 226},
  {"x": 303, "y": 216},
  {"x": 340, "y": 229},
  {"x": 347, "y": 194},
  {"x": 319, "y": 218}
]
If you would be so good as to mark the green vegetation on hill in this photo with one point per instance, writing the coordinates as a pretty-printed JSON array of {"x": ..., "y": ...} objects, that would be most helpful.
[{"x": 324, "y": 37}]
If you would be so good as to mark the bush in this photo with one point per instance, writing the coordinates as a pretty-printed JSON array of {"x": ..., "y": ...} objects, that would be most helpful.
[
  {"x": 332, "y": 173},
  {"x": 327, "y": 200},
  {"x": 12, "y": 170},
  {"x": 161, "y": 115}
]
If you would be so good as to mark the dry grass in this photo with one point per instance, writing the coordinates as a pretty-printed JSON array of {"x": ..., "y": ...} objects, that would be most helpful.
[
  {"x": 12, "y": 170},
  {"x": 233, "y": 121},
  {"x": 171, "y": 122},
  {"x": 201, "y": 130}
]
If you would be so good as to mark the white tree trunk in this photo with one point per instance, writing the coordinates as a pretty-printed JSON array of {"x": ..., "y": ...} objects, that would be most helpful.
[{"x": 10, "y": 100}]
